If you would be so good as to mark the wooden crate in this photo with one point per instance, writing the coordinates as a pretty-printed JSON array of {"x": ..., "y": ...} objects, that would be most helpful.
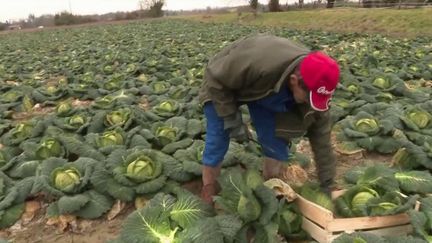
[{"x": 324, "y": 227}]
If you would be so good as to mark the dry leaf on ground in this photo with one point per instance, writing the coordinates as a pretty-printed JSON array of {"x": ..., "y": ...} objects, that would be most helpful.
[
  {"x": 62, "y": 222},
  {"x": 294, "y": 175},
  {"x": 116, "y": 209},
  {"x": 31, "y": 209},
  {"x": 141, "y": 202},
  {"x": 281, "y": 188}
]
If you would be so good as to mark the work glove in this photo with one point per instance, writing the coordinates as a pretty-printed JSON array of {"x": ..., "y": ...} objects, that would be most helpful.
[
  {"x": 327, "y": 187},
  {"x": 236, "y": 128}
]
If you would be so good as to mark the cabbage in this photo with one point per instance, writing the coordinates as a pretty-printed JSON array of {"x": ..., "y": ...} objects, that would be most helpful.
[
  {"x": 66, "y": 180},
  {"x": 382, "y": 83},
  {"x": 22, "y": 130},
  {"x": 49, "y": 147},
  {"x": 353, "y": 88},
  {"x": 368, "y": 126},
  {"x": 77, "y": 120},
  {"x": 360, "y": 200},
  {"x": 110, "y": 138},
  {"x": 166, "y": 135},
  {"x": 63, "y": 108},
  {"x": 142, "y": 169},
  {"x": 118, "y": 117},
  {"x": 167, "y": 108},
  {"x": 419, "y": 117}
]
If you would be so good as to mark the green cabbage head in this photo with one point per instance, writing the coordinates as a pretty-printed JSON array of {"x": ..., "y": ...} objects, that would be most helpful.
[
  {"x": 368, "y": 126},
  {"x": 166, "y": 135},
  {"x": 66, "y": 179},
  {"x": 248, "y": 208},
  {"x": 142, "y": 169},
  {"x": 22, "y": 130},
  {"x": 360, "y": 199},
  {"x": 49, "y": 147},
  {"x": 105, "y": 101},
  {"x": 77, "y": 120},
  {"x": 419, "y": 117},
  {"x": 51, "y": 89},
  {"x": 11, "y": 96},
  {"x": 383, "y": 207},
  {"x": 167, "y": 106},
  {"x": 118, "y": 117},
  {"x": 382, "y": 83},
  {"x": 63, "y": 107},
  {"x": 385, "y": 97},
  {"x": 342, "y": 103},
  {"x": 110, "y": 138},
  {"x": 353, "y": 88},
  {"x": 159, "y": 87}
]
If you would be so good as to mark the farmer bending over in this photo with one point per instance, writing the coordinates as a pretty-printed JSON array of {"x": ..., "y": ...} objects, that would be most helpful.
[{"x": 287, "y": 89}]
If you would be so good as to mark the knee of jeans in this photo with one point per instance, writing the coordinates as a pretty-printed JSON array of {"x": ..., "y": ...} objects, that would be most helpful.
[
  {"x": 212, "y": 157},
  {"x": 275, "y": 149},
  {"x": 215, "y": 149}
]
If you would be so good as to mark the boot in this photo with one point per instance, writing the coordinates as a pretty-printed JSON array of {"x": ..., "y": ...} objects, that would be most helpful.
[
  {"x": 210, "y": 185},
  {"x": 272, "y": 168}
]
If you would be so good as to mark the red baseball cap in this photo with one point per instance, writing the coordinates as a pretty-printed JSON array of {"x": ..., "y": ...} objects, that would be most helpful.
[{"x": 320, "y": 74}]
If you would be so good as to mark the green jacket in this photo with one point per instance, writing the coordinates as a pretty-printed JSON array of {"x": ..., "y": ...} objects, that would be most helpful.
[{"x": 256, "y": 66}]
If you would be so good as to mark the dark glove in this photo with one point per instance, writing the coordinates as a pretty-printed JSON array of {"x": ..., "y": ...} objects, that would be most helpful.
[
  {"x": 236, "y": 128},
  {"x": 327, "y": 187}
]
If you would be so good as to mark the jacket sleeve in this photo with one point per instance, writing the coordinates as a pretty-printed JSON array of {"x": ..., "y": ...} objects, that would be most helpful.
[
  {"x": 222, "y": 96},
  {"x": 319, "y": 135}
]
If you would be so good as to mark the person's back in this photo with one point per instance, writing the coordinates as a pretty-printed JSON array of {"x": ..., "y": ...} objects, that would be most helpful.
[
  {"x": 251, "y": 67},
  {"x": 287, "y": 89}
]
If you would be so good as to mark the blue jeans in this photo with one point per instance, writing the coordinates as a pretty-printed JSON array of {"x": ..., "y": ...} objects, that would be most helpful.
[{"x": 263, "y": 119}]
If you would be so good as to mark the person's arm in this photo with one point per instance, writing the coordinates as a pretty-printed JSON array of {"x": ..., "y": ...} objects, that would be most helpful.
[
  {"x": 222, "y": 96},
  {"x": 320, "y": 139},
  {"x": 225, "y": 74}
]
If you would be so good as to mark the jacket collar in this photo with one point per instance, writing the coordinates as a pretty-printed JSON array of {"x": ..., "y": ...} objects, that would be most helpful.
[{"x": 288, "y": 71}]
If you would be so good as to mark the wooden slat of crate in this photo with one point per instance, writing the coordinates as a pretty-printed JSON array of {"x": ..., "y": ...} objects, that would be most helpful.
[
  {"x": 325, "y": 218},
  {"x": 400, "y": 230},
  {"x": 324, "y": 236},
  {"x": 318, "y": 214},
  {"x": 322, "y": 225},
  {"x": 317, "y": 233},
  {"x": 359, "y": 223}
]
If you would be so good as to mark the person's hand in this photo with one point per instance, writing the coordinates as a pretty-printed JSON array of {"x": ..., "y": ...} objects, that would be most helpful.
[
  {"x": 326, "y": 190},
  {"x": 236, "y": 128},
  {"x": 327, "y": 187}
]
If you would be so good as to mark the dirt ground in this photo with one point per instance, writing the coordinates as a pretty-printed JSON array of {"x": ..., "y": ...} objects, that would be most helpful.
[{"x": 102, "y": 230}]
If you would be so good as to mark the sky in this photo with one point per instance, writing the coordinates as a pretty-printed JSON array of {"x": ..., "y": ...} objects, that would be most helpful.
[{"x": 16, "y": 9}]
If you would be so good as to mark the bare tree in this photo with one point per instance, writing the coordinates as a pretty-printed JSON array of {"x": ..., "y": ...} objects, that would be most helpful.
[
  {"x": 274, "y": 6},
  {"x": 330, "y": 3},
  {"x": 153, "y": 6},
  {"x": 301, "y": 2},
  {"x": 253, "y": 4}
]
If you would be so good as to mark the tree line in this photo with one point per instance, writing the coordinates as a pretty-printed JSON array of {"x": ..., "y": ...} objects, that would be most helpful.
[{"x": 147, "y": 9}]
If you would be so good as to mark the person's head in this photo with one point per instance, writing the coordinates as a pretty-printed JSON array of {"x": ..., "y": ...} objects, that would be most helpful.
[{"x": 314, "y": 80}]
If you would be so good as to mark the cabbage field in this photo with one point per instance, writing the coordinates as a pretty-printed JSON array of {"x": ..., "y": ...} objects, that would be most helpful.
[{"x": 101, "y": 116}]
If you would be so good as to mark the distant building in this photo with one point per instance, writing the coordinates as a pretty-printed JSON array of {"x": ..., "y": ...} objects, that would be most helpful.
[{"x": 14, "y": 27}]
